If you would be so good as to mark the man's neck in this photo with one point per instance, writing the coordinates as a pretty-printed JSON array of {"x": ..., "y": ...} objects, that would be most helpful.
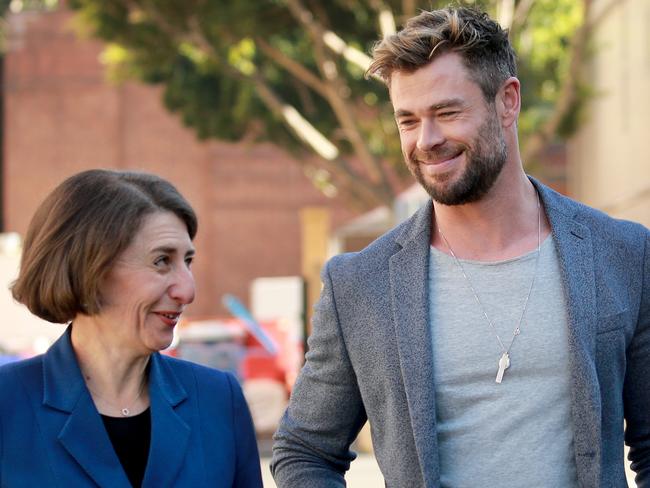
[{"x": 502, "y": 225}]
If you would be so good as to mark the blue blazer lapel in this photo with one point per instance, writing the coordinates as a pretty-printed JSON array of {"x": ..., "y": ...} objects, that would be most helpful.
[
  {"x": 575, "y": 250},
  {"x": 85, "y": 438},
  {"x": 83, "y": 435},
  {"x": 170, "y": 432},
  {"x": 409, "y": 301}
]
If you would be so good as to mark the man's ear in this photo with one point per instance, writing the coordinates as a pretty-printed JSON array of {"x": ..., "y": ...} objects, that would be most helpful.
[{"x": 508, "y": 101}]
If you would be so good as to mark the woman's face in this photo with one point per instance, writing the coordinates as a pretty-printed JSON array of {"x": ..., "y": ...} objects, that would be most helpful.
[{"x": 149, "y": 285}]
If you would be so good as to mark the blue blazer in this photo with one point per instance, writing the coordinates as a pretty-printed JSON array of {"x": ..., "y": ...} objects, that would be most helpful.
[{"x": 52, "y": 435}]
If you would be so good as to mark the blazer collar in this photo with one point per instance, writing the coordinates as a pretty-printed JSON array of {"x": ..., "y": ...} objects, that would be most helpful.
[
  {"x": 63, "y": 384},
  {"x": 408, "y": 270},
  {"x": 83, "y": 434},
  {"x": 417, "y": 227},
  {"x": 573, "y": 242},
  {"x": 170, "y": 424}
]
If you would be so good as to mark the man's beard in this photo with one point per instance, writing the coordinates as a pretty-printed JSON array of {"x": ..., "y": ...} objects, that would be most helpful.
[{"x": 484, "y": 162}]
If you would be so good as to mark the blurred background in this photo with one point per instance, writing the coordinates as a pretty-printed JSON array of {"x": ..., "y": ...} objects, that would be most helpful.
[{"x": 258, "y": 111}]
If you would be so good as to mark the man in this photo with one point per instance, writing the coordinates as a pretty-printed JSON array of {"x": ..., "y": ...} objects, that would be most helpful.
[{"x": 501, "y": 335}]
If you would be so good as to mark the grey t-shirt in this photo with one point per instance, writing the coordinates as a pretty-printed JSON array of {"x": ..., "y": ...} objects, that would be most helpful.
[{"x": 517, "y": 433}]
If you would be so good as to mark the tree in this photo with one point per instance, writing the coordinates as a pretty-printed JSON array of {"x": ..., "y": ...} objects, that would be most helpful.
[{"x": 292, "y": 72}]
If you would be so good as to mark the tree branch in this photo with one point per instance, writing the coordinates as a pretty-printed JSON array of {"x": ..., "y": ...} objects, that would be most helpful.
[
  {"x": 408, "y": 8},
  {"x": 385, "y": 17},
  {"x": 338, "y": 166},
  {"x": 569, "y": 89},
  {"x": 522, "y": 10},
  {"x": 305, "y": 96},
  {"x": 505, "y": 13},
  {"x": 335, "y": 87},
  {"x": 604, "y": 13},
  {"x": 370, "y": 193},
  {"x": 293, "y": 67},
  {"x": 356, "y": 188},
  {"x": 351, "y": 54}
]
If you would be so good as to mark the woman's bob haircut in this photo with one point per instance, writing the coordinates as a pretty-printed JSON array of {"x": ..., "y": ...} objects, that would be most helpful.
[{"x": 79, "y": 230}]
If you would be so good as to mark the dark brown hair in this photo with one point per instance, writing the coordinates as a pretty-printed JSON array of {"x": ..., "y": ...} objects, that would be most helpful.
[
  {"x": 479, "y": 40},
  {"x": 79, "y": 230}
]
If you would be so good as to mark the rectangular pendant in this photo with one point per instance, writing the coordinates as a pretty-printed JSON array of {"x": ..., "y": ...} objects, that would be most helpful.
[{"x": 504, "y": 363}]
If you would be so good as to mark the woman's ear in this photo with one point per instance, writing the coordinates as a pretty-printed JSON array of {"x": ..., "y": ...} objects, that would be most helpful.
[{"x": 509, "y": 101}]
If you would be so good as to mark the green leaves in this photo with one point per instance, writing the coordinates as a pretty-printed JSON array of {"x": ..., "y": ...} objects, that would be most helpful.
[
  {"x": 242, "y": 56},
  {"x": 235, "y": 69}
]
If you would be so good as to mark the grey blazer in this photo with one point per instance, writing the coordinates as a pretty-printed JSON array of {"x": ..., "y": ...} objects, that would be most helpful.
[{"x": 370, "y": 356}]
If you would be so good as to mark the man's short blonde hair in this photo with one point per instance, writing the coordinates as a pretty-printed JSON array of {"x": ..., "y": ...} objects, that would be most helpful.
[{"x": 480, "y": 41}]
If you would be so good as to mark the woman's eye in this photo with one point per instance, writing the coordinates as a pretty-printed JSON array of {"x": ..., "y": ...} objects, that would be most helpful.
[{"x": 189, "y": 260}]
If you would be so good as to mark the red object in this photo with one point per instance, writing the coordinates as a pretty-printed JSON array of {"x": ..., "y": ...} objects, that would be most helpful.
[{"x": 259, "y": 364}]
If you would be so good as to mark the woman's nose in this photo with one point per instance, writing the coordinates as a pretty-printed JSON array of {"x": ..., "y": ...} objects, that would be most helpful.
[{"x": 183, "y": 288}]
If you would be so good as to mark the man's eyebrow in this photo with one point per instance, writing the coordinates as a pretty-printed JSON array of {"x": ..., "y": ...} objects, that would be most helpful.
[
  {"x": 451, "y": 102},
  {"x": 402, "y": 113}
]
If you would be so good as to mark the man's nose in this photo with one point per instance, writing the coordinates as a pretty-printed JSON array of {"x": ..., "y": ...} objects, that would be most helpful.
[{"x": 429, "y": 136}]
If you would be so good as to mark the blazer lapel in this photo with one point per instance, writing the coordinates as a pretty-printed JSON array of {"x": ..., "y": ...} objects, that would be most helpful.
[
  {"x": 575, "y": 250},
  {"x": 170, "y": 433},
  {"x": 408, "y": 280},
  {"x": 83, "y": 435},
  {"x": 85, "y": 438}
]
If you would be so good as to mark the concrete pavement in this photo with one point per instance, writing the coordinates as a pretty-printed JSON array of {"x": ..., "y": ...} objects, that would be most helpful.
[{"x": 364, "y": 473}]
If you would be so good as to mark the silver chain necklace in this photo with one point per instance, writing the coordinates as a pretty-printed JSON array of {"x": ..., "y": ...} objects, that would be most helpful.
[
  {"x": 504, "y": 360},
  {"x": 125, "y": 411}
]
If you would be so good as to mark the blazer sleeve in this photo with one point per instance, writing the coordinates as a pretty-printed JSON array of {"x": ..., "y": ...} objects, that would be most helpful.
[
  {"x": 248, "y": 473},
  {"x": 325, "y": 412},
  {"x": 636, "y": 393}
]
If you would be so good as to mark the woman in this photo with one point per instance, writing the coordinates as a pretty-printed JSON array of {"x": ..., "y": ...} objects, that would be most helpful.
[{"x": 110, "y": 253}]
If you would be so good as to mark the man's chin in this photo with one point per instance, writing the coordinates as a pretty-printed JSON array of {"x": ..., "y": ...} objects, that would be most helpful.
[
  {"x": 450, "y": 192},
  {"x": 440, "y": 188}
]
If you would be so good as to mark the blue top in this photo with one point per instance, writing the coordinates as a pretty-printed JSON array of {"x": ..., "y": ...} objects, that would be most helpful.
[{"x": 52, "y": 435}]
